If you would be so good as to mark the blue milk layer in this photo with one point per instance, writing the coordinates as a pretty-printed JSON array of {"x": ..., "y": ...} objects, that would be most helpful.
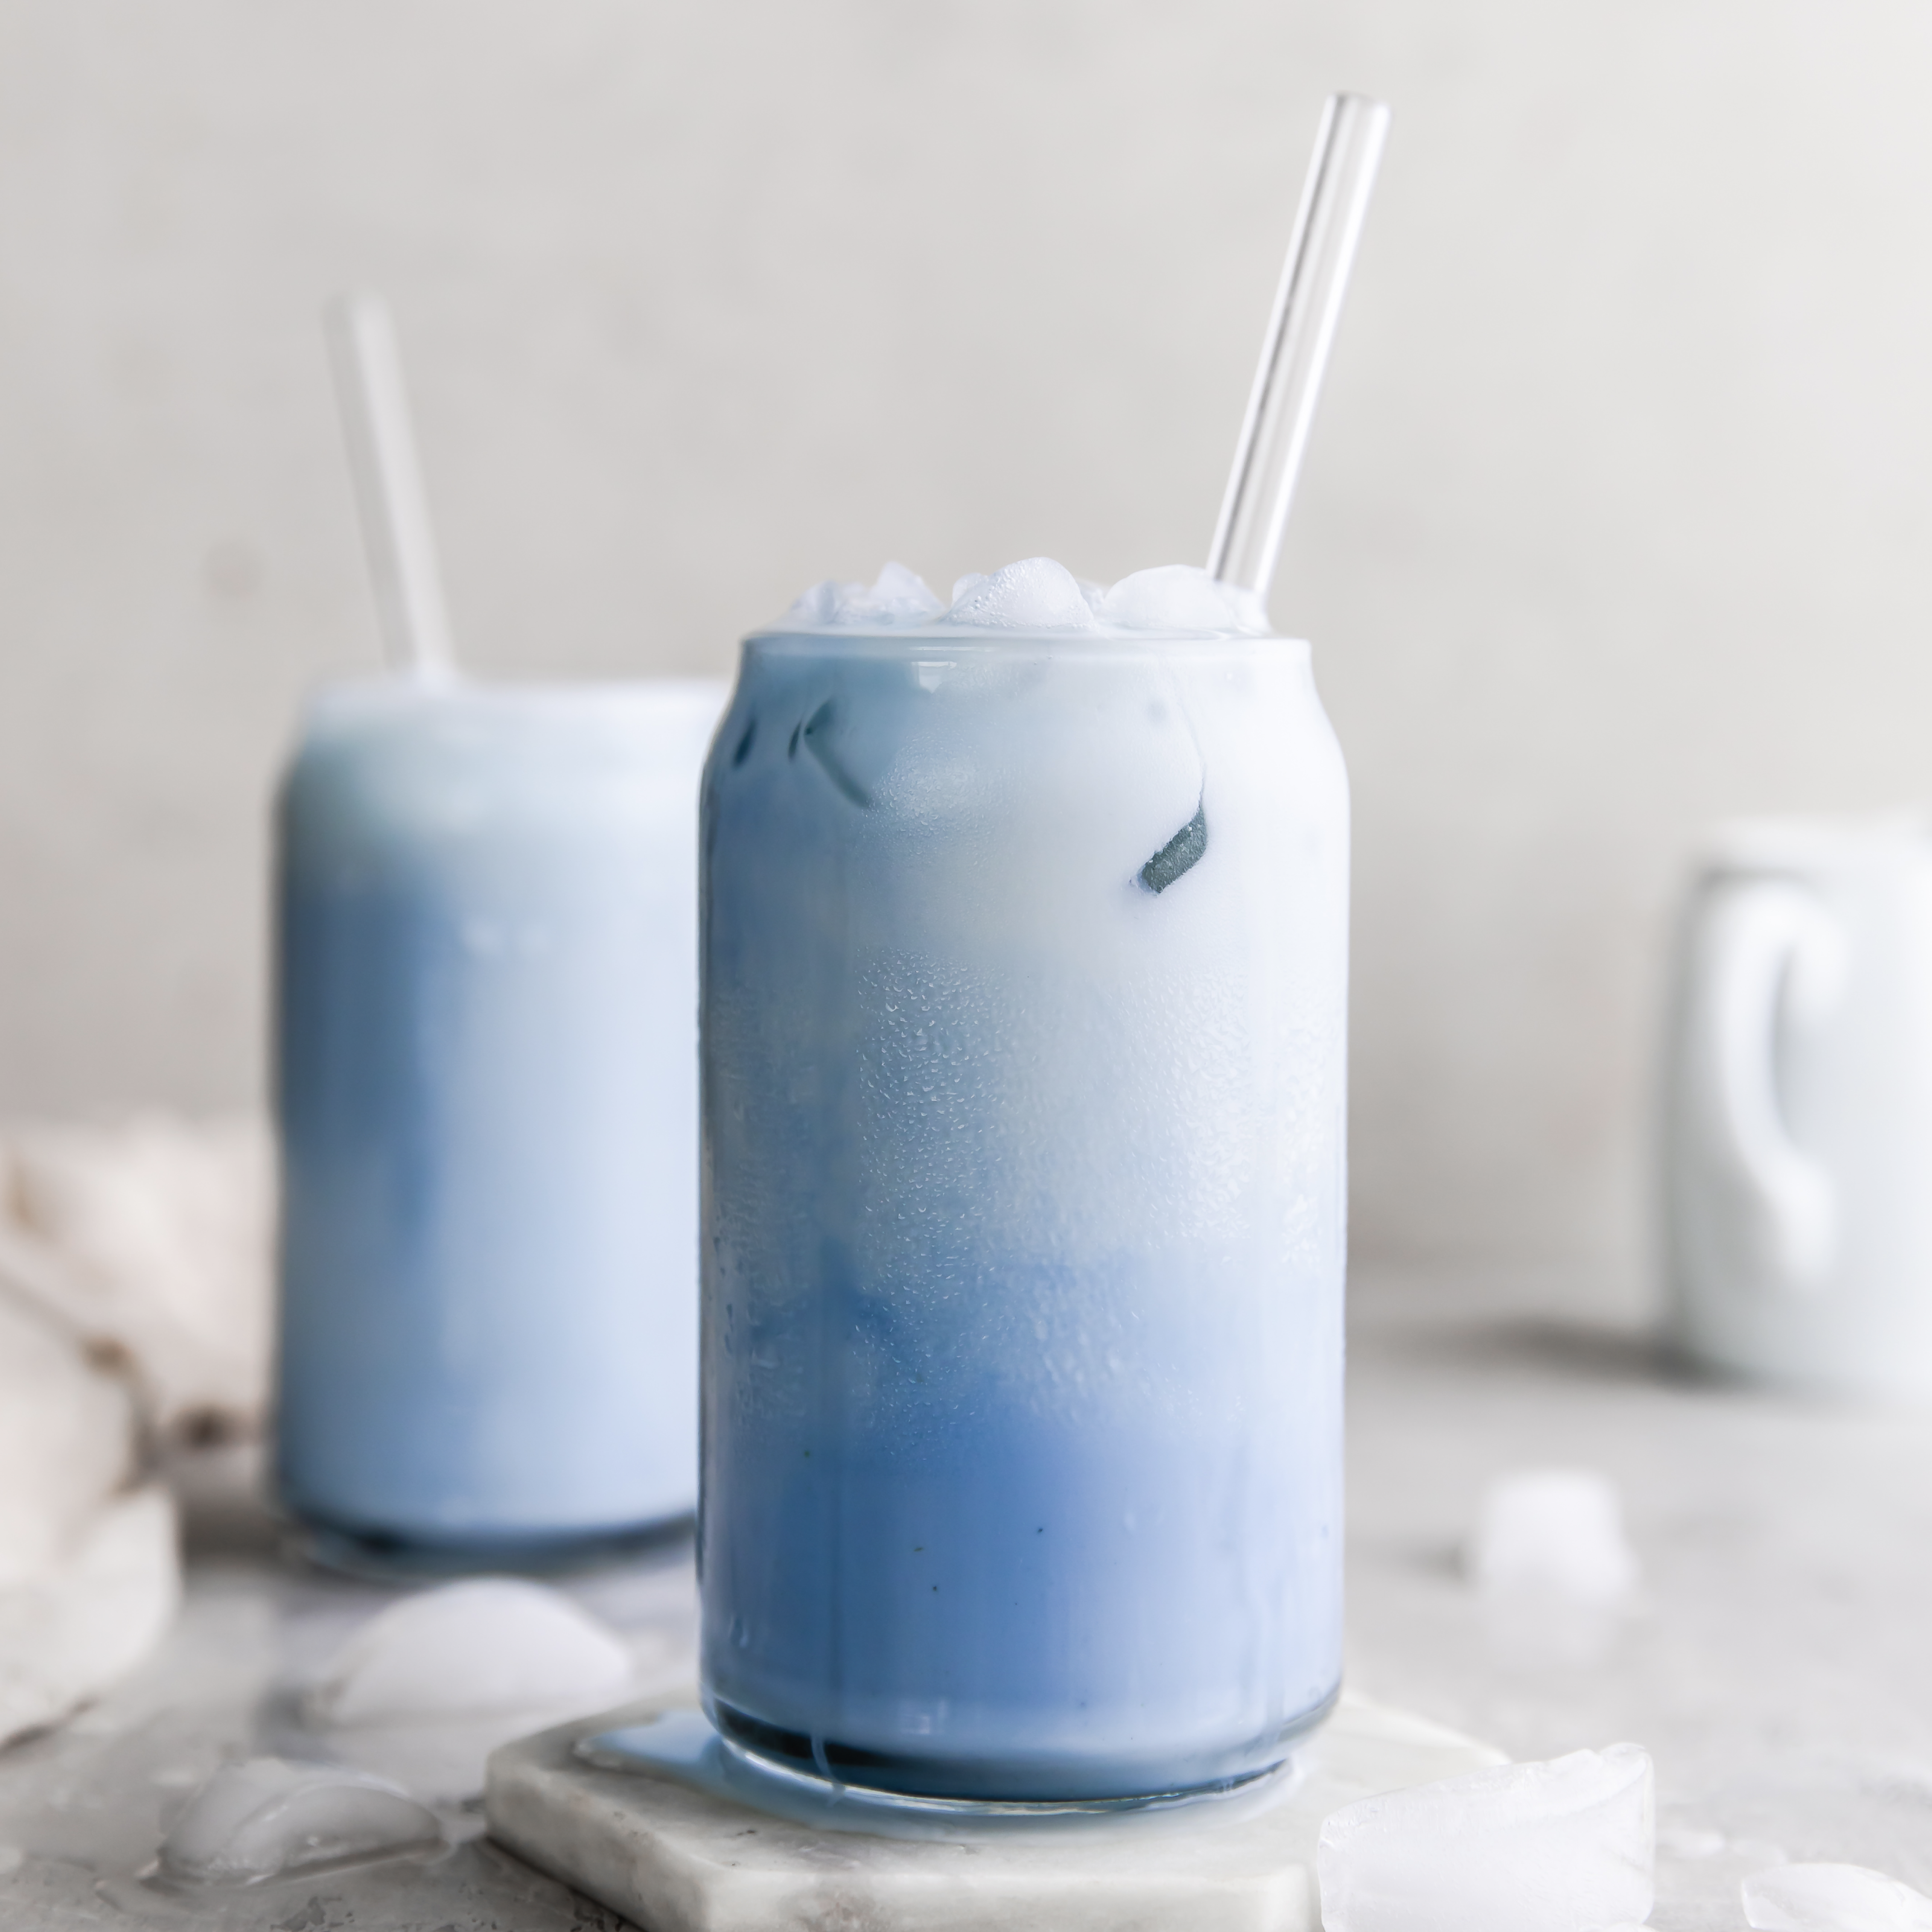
[{"x": 486, "y": 1081}]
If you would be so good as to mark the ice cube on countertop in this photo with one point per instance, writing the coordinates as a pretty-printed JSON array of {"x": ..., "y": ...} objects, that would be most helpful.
[
  {"x": 1833, "y": 1898},
  {"x": 264, "y": 1816},
  {"x": 1553, "y": 1533},
  {"x": 1564, "y": 1846},
  {"x": 488, "y": 1644}
]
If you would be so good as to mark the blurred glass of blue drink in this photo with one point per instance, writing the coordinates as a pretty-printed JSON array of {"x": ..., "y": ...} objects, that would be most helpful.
[
  {"x": 1024, "y": 957},
  {"x": 486, "y": 1077},
  {"x": 487, "y": 1089}
]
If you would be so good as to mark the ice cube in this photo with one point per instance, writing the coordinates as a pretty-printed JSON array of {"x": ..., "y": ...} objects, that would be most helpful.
[
  {"x": 256, "y": 1819},
  {"x": 819, "y": 604},
  {"x": 1553, "y": 1534},
  {"x": 1181, "y": 853},
  {"x": 820, "y": 735},
  {"x": 1182, "y": 597},
  {"x": 900, "y": 596},
  {"x": 1565, "y": 1846},
  {"x": 493, "y": 1643},
  {"x": 1036, "y": 594},
  {"x": 1833, "y": 1898}
]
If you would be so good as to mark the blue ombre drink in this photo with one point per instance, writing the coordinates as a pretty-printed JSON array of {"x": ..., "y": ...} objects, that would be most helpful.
[
  {"x": 487, "y": 1086},
  {"x": 1024, "y": 981}
]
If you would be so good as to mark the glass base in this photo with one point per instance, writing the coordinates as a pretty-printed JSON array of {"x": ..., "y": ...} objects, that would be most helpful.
[
  {"x": 389, "y": 1556},
  {"x": 929, "y": 1784}
]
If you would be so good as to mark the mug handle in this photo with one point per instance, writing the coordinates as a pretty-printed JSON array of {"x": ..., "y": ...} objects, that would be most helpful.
[{"x": 1775, "y": 949}]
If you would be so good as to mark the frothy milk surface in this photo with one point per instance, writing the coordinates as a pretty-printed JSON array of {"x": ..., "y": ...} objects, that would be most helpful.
[
  {"x": 486, "y": 1096},
  {"x": 1023, "y": 963}
]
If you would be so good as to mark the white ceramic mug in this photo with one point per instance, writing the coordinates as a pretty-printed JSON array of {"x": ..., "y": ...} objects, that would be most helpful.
[{"x": 1797, "y": 1131}]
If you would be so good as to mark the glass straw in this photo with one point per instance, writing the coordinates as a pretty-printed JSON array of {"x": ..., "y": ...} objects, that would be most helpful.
[
  {"x": 1267, "y": 460},
  {"x": 396, "y": 533}
]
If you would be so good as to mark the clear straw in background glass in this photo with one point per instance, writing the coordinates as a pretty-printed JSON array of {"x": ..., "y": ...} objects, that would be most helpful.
[
  {"x": 1267, "y": 460},
  {"x": 396, "y": 532}
]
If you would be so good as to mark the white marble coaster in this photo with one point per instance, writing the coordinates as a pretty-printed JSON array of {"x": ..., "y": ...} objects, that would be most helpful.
[{"x": 669, "y": 1841}]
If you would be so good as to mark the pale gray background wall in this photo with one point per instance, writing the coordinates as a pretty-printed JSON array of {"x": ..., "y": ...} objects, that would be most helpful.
[{"x": 1616, "y": 516}]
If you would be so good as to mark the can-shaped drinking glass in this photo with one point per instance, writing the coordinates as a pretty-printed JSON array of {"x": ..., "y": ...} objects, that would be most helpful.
[
  {"x": 486, "y": 1072},
  {"x": 1024, "y": 969}
]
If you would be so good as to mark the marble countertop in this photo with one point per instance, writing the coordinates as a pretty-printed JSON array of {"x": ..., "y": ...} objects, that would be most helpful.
[{"x": 1778, "y": 1665}]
